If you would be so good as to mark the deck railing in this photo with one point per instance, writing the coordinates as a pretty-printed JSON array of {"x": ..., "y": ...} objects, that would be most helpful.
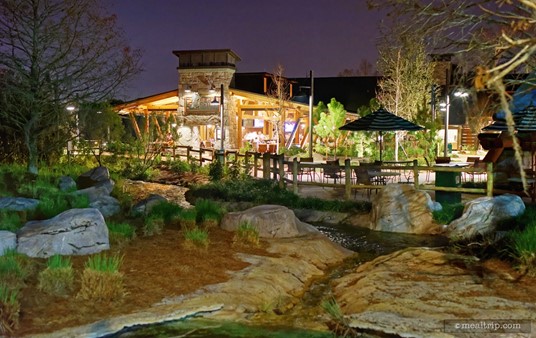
[{"x": 289, "y": 172}]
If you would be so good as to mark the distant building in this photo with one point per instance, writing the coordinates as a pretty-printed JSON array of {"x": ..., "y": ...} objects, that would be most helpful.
[{"x": 191, "y": 112}]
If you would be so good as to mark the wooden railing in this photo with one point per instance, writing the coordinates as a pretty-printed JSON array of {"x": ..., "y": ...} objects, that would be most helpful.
[{"x": 275, "y": 167}]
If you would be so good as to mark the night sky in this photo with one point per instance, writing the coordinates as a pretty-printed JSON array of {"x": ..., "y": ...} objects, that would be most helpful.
[{"x": 325, "y": 36}]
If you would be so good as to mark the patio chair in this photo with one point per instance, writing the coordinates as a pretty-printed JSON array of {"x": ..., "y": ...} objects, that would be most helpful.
[
  {"x": 306, "y": 171},
  {"x": 332, "y": 170},
  {"x": 442, "y": 160},
  {"x": 363, "y": 177}
]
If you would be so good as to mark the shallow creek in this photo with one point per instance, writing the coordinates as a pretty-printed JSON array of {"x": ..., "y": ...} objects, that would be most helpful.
[{"x": 302, "y": 320}]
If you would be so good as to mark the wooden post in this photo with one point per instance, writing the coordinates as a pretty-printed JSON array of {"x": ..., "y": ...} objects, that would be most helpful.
[
  {"x": 266, "y": 166},
  {"x": 347, "y": 179},
  {"x": 489, "y": 172},
  {"x": 415, "y": 174},
  {"x": 295, "y": 175},
  {"x": 188, "y": 154},
  {"x": 200, "y": 156},
  {"x": 255, "y": 167}
]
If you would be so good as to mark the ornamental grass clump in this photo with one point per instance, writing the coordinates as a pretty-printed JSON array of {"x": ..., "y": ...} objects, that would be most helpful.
[
  {"x": 152, "y": 225},
  {"x": 120, "y": 233},
  {"x": 58, "y": 277},
  {"x": 187, "y": 219},
  {"x": 101, "y": 279},
  {"x": 10, "y": 221},
  {"x": 246, "y": 234},
  {"x": 523, "y": 247},
  {"x": 12, "y": 269},
  {"x": 169, "y": 212},
  {"x": 209, "y": 213},
  {"x": 196, "y": 238},
  {"x": 9, "y": 310}
]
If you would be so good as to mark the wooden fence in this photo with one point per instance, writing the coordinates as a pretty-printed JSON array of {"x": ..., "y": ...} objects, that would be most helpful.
[{"x": 271, "y": 166}]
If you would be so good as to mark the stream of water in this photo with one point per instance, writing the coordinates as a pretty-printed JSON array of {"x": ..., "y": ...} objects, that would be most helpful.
[{"x": 367, "y": 243}]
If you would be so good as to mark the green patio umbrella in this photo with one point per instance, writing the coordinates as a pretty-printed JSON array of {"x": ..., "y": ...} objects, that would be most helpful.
[{"x": 381, "y": 120}]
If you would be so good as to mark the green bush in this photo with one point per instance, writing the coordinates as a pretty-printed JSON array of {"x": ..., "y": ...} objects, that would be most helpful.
[
  {"x": 196, "y": 238},
  {"x": 523, "y": 247},
  {"x": 215, "y": 171},
  {"x": 268, "y": 192},
  {"x": 448, "y": 213},
  {"x": 180, "y": 167}
]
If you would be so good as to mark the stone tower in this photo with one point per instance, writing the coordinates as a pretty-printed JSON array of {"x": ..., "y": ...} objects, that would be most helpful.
[{"x": 201, "y": 76}]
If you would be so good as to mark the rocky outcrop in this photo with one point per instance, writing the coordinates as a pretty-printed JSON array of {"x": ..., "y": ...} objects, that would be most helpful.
[
  {"x": 401, "y": 208},
  {"x": 272, "y": 283},
  {"x": 8, "y": 240},
  {"x": 412, "y": 292},
  {"x": 73, "y": 232},
  {"x": 482, "y": 215},
  {"x": 272, "y": 221},
  {"x": 268, "y": 284},
  {"x": 18, "y": 203}
]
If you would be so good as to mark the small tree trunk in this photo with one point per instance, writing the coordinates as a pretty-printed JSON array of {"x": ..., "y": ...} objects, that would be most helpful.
[{"x": 31, "y": 144}]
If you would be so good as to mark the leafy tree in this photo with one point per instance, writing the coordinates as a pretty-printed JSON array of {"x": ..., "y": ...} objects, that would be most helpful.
[
  {"x": 280, "y": 92},
  {"x": 55, "y": 53},
  {"x": 99, "y": 126},
  {"x": 407, "y": 75},
  {"x": 491, "y": 39},
  {"x": 330, "y": 120}
]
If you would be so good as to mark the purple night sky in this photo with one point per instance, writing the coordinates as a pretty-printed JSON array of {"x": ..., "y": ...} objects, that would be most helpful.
[{"x": 325, "y": 36}]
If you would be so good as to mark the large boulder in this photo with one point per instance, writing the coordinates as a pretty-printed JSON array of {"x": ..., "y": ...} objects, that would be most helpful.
[
  {"x": 272, "y": 221},
  {"x": 414, "y": 292},
  {"x": 401, "y": 208},
  {"x": 8, "y": 240},
  {"x": 93, "y": 177},
  {"x": 482, "y": 215},
  {"x": 73, "y": 232},
  {"x": 18, "y": 203}
]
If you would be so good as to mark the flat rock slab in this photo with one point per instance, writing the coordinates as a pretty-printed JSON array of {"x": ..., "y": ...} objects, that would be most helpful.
[{"x": 411, "y": 292}]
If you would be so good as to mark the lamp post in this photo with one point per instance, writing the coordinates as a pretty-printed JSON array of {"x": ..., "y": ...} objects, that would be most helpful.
[
  {"x": 311, "y": 102},
  {"x": 446, "y": 108}
]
